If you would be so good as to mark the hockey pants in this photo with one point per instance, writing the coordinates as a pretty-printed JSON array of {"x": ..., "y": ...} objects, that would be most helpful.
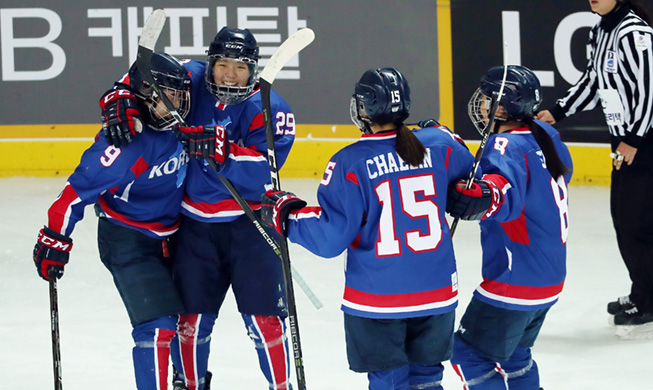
[
  {"x": 191, "y": 354},
  {"x": 151, "y": 352}
]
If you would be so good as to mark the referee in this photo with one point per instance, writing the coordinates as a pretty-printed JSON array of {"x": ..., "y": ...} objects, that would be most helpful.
[{"x": 619, "y": 75}]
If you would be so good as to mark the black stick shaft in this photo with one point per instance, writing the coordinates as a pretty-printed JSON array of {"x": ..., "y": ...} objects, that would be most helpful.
[
  {"x": 293, "y": 323},
  {"x": 54, "y": 327}
]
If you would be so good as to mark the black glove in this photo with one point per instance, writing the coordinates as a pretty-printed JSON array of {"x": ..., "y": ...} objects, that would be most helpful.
[
  {"x": 480, "y": 201},
  {"x": 51, "y": 251},
  {"x": 121, "y": 118},
  {"x": 428, "y": 123},
  {"x": 203, "y": 142},
  {"x": 275, "y": 207}
]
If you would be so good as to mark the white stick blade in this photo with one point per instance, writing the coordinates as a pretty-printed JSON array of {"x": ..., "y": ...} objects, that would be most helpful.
[
  {"x": 152, "y": 29},
  {"x": 291, "y": 46}
]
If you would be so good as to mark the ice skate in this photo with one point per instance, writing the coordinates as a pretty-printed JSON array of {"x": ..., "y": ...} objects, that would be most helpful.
[
  {"x": 634, "y": 325},
  {"x": 621, "y": 304}
]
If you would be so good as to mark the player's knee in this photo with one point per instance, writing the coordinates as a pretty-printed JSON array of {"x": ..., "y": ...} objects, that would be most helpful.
[
  {"x": 160, "y": 330},
  {"x": 195, "y": 328}
]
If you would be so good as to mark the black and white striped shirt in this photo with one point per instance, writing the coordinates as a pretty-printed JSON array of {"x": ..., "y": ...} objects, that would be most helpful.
[{"x": 621, "y": 67}]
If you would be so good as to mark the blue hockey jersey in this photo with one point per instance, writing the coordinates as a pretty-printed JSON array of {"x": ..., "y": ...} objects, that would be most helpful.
[
  {"x": 207, "y": 199},
  {"x": 524, "y": 243},
  {"x": 390, "y": 217},
  {"x": 139, "y": 186}
]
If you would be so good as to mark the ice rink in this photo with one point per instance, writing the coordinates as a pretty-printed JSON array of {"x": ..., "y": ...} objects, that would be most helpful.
[{"x": 576, "y": 349}]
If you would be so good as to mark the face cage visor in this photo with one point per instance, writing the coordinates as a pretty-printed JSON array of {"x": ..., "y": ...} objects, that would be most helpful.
[
  {"x": 478, "y": 109},
  {"x": 362, "y": 123},
  {"x": 231, "y": 94},
  {"x": 160, "y": 117}
]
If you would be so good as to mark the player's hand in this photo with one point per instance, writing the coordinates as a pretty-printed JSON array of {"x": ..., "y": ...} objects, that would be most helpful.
[
  {"x": 545, "y": 116},
  {"x": 430, "y": 122},
  {"x": 481, "y": 201},
  {"x": 275, "y": 207},
  {"x": 121, "y": 118},
  {"x": 51, "y": 252},
  {"x": 203, "y": 142}
]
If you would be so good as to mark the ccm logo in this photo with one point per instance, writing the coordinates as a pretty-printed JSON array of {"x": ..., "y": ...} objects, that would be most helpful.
[{"x": 56, "y": 244}]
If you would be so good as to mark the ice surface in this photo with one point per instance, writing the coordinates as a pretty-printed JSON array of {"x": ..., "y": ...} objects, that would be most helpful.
[{"x": 576, "y": 349}]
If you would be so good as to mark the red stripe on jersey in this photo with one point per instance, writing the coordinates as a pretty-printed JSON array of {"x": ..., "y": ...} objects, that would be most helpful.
[
  {"x": 257, "y": 122},
  {"x": 352, "y": 178},
  {"x": 139, "y": 166},
  {"x": 516, "y": 229},
  {"x": 521, "y": 292},
  {"x": 357, "y": 241},
  {"x": 223, "y": 205},
  {"x": 446, "y": 160},
  {"x": 152, "y": 226},
  {"x": 60, "y": 210},
  {"x": 244, "y": 151},
  {"x": 271, "y": 330},
  {"x": 399, "y": 300}
]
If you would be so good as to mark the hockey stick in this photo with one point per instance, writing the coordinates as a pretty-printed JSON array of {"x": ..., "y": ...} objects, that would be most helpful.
[
  {"x": 486, "y": 135},
  {"x": 54, "y": 328},
  {"x": 289, "y": 48},
  {"x": 149, "y": 36}
]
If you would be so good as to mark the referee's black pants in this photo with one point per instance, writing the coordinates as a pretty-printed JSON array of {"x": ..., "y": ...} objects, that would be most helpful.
[{"x": 631, "y": 206}]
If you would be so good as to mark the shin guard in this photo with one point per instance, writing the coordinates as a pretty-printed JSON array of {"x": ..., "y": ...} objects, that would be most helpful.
[
  {"x": 151, "y": 352},
  {"x": 268, "y": 334},
  {"x": 190, "y": 355}
]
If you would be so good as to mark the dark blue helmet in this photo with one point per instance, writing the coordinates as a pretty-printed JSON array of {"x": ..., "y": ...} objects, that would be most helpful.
[
  {"x": 173, "y": 80},
  {"x": 241, "y": 46},
  {"x": 381, "y": 96},
  {"x": 521, "y": 95}
]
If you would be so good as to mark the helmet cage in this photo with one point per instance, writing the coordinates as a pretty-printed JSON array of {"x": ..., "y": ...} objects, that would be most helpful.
[
  {"x": 172, "y": 78},
  {"x": 239, "y": 45},
  {"x": 231, "y": 94}
]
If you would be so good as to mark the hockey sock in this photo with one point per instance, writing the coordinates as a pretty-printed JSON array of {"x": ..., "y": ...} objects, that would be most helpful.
[
  {"x": 190, "y": 355},
  {"x": 390, "y": 379},
  {"x": 151, "y": 352},
  {"x": 425, "y": 377},
  {"x": 268, "y": 334}
]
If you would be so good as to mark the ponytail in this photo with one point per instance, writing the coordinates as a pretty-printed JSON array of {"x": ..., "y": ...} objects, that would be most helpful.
[
  {"x": 408, "y": 146},
  {"x": 553, "y": 163}
]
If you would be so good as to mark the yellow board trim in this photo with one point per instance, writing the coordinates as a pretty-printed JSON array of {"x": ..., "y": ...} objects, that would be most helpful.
[
  {"x": 55, "y": 150},
  {"x": 445, "y": 63}
]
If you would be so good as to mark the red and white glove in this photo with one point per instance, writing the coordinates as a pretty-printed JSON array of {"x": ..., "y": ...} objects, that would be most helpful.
[
  {"x": 51, "y": 252},
  {"x": 121, "y": 118},
  {"x": 275, "y": 207},
  {"x": 203, "y": 142},
  {"x": 482, "y": 200}
]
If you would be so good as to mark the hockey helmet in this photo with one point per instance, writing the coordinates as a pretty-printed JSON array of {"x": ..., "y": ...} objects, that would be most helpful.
[
  {"x": 521, "y": 95},
  {"x": 172, "y": 79},
  {"x": 381, "y": 96},
  {"x": 241, "y": 46}
]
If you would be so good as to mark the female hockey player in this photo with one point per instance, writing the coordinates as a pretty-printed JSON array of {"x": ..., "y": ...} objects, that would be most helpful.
[
  {"x": 383, "y": 200},
  {"x": 218, "y": 246},
  {"x": 619, "y": 73},
  {"x": 137, "y": 193},
  {"x": 524, "y": 241}
]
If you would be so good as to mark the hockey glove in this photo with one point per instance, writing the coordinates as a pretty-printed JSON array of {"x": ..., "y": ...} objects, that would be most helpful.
[
  {"x": 275, "y": 207},
  {"x": 51, "y": 251},
  {"x": 481, "y": 201},
  {"x": 428, "y": 123},
  {"x": 204, "y": 142},
  {"x": 121, "y": 118}
]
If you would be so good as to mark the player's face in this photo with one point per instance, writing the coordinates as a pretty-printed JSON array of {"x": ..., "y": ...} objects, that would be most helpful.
[
  {"x": 159, "y": 108},
  {"x": 602, "y": 7},
  {"x": 231, "y": 72}
]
